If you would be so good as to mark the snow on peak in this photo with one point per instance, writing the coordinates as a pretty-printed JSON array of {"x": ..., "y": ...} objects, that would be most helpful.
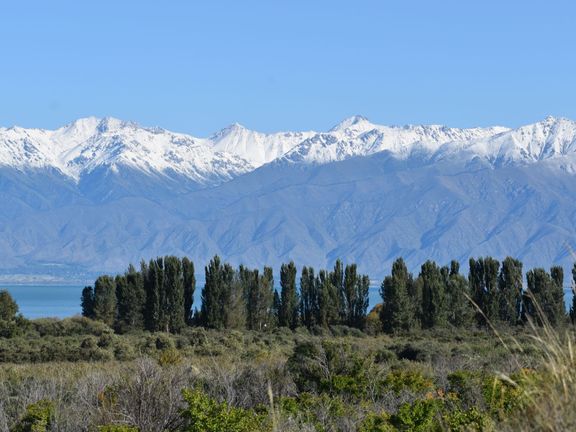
[
  {"x": 256, "y": 147},
  {"x": 91, "y": 142},
  {"x": 353, "y": 121}
]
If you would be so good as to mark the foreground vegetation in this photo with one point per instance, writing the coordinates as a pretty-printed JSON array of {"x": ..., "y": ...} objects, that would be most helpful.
[
  {"x": 441, "y": 352},
  {"x": 77, "y": 374}
]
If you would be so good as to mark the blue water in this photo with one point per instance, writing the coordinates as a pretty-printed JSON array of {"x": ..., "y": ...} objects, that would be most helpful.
[{"x": 38, "y": 301}]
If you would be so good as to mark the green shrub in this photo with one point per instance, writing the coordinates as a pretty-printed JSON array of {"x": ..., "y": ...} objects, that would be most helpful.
[
  {"x": 37, "y": 418},
  {"x": 419, "y": 416},
  {"x": 203, "y": 414},
  {"x": 403, "y": 379},
  {"x": 376, "y": 423}
]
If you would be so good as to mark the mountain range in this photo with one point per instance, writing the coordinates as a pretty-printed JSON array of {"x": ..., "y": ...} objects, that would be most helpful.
[{"x": 97, "y": 194}]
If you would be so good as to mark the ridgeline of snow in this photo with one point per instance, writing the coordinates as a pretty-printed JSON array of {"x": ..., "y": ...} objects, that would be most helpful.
[{"x": 86, "y": 144}]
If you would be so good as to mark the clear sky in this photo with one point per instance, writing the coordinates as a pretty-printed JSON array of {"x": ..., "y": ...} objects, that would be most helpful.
[{"x": 197, "y": 66}]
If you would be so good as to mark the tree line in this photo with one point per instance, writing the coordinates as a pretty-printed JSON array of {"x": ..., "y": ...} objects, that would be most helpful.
[
  {"x": 160, "y": 296},
  {"x": 492, "y": 293}
]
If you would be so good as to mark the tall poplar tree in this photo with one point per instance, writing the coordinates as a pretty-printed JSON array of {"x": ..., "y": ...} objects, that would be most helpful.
[
  {"x": 189, "y": 288},
  {"x": 87, "y": 302},
  {"x": 397, "y": 313},
  {"x": 460, "y": 311},
  {"x": 212, "y": 312},
  {"x": 173, "y": 295},
  {"x": 105, "y": 300},
  {"x": 434, "y": 301},
  {"x": 288, "y": 314},
  {"x": 510, "y": 290},
  {"x": 483, "y": 280},
  {"x": 309, "y": 298},
  {"x": 356, "y": 289},
  {"x": 153, "y": 299}
]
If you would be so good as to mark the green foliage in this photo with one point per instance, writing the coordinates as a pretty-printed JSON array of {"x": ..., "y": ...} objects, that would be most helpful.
[
  {"x": 259, "y": 291},
  {"x": 189, "y": 281},
  {"x": 288, "y": 312},
  {"x": 434, "y": 299},
  {"x": 544, "y": 300},
  {"x": 419, "y": 416},
  {"x": 204, "y": 414},
  {"x": 309, "y": 298},
  {"x": 217, "y": 294},
  {"x": 460, "y": 310},
  {"x": 483, "y": 279},
  {"x": 8, "y": 307},
  {"x": 37, "y": 418},
  {"x": 87, "y": 302},
  {"x": 510, "y": 290},
  {"x": 502, "y": 397},
  {"x": 403, "y": 379},
  {"x": 398, "y": 312},
  {"x": 105, "y": 300},
  {"x": 131, "y": 299},
  {"x": 355, "y": 297},
  {"x": 374, "y": 422}
]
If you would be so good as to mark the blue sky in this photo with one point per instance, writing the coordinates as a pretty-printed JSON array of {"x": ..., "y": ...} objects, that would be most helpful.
[{"x": 277, "y": 65}]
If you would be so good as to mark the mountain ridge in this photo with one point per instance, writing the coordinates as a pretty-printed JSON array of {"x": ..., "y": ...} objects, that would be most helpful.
[{"x": 97, "y": 194}]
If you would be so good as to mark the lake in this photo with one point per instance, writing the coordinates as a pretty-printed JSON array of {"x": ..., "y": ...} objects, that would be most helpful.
[{"x": 38, "y": 301}]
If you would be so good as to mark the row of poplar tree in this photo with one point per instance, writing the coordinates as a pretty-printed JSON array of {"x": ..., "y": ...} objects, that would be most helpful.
[
  {"x": 159, "y": 297},
  {"x": 492, "y": 293}
]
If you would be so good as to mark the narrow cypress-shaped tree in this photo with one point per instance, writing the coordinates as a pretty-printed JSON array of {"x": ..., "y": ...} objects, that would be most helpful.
[
  {"x": 288, "y": 296},
  {"x": 324, "y": 288},
  {"x": 152, "y": 280},
  {"x": 189, "y": 288},
  {"x": 266, "y": 294},
  {"x": 105, "y": 300},
  {"x": 233, "y": 298},
  {"x": 276, "y": 305},
  {"x": 557, "y": 308},
  {"x": 510, "y": 290},
  {"x": 174, "y": 295},
  {"x": 250, "y": 280},
  {"x": 137, "y": 298},
  {"x": 87, "y": 302},
  {"x": 338, "y": 295},
  {"x": 434, "y": 304},
  {"x": 212, "y": 297},
  {"x": 460, "y": 310},
  {"x": 544, "y": 300},
  {"x": 356, "y": 289},
  {"x": 397, "y": 313},
  {"x": 122, "y": 303},
  {"x": 309, "y": 298},
  {"x": 483, "y": 279},
  {"x": 535, "y": 297}
]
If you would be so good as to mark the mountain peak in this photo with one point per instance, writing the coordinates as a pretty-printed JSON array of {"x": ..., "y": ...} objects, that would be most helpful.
[{"x": 355, "y": 120}]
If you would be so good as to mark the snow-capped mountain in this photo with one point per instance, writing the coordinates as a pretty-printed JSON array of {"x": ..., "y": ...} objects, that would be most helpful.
[
  {"x": 83, "y": 146},
  {"x": 255, "y": 147},
  {"x": 97, "y": 194}
]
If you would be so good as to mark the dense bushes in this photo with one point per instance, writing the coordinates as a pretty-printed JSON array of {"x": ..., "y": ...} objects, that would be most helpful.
[{"x": 281, "y": 380}]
